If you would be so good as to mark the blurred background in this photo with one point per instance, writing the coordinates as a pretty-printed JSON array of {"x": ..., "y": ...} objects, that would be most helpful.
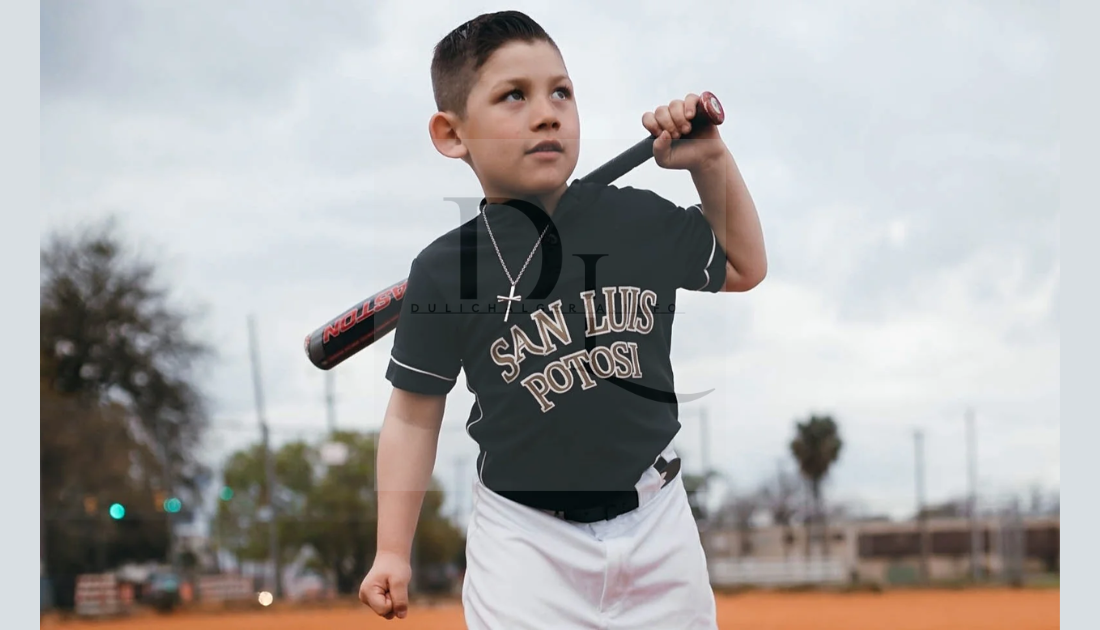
[{"x": 219, "y": 179}]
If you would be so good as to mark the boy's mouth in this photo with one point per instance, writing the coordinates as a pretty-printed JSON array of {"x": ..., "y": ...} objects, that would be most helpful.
[{"x": 547, "y": 146}]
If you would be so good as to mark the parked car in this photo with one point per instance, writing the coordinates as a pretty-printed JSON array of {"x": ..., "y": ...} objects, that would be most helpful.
[{"x": 163, "y": 591}]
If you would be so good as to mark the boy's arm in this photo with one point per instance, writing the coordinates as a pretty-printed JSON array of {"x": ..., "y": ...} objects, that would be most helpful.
[
  {"x": 406, "y": 458},
  {"x": 732, "y": 215},
  {"x": 424, "y": 364},
  {"x": 725, "y": 199}
]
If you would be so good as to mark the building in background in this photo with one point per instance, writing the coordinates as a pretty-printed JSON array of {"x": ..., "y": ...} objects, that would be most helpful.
[{"x": 887, "y": 552}]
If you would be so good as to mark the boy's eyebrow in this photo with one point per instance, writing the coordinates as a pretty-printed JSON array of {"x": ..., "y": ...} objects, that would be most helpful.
[{"x": 524, "y": 81}]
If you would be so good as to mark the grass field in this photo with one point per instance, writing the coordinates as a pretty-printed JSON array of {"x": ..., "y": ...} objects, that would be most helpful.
[{"x": 971, "y": 609}]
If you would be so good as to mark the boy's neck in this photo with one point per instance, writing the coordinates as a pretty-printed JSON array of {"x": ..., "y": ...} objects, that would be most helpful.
[{"x": 548, "y": 202}]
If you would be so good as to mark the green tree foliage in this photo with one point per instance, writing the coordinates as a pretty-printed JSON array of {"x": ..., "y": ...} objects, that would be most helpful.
[
  {"x": 87, "y": 463},
  {"x": 816, "y": 446},
  {"x": 331, "y": 509},
  {"x": 117, "y": 392}
]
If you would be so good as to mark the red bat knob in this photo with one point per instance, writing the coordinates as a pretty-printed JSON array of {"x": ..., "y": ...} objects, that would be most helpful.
[{"x": 711, "y": 108}]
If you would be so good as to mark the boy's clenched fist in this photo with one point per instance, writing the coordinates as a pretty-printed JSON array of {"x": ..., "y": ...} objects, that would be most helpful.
[{"x": 386, "y": 587}]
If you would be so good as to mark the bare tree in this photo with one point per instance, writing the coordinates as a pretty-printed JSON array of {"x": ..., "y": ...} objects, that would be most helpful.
[
  {"x": 951, "y": 508},
  {"x": 781, "y": 497},
  {"x": 744, "y": 510},
  {"x": 738, "y": 510}
]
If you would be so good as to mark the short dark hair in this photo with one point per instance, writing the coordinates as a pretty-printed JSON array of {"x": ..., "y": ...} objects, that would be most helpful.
[{"x": 458, "y": 56}]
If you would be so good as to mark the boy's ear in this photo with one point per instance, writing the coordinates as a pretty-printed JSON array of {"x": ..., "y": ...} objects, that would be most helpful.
[{"x": 443, "y": 128}]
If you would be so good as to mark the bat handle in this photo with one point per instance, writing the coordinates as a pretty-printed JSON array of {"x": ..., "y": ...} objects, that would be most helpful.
[{"x": 708, "y": 112}]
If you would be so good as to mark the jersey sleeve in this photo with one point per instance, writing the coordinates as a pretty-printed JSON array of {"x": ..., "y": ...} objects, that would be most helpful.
[
  {"x": 694, "y": 255},
  {"x": 425, "y": 358},
  {"x": 702, "y": 261}
]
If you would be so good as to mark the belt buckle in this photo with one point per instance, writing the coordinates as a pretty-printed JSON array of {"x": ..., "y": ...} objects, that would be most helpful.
[{"x": 590, "y": 515}]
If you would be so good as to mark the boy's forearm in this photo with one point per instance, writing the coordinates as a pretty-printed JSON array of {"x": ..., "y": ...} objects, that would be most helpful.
[
  {"x": 406, "y": 458},
  {"x": 729, "y": 208}
]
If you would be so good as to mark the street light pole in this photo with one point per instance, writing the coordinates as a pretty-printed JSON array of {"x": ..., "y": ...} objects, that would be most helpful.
[
  {"x": 972, "y": 457},
  {"x": 269, "y": 461},
  {"x": 922, "y": 516},
  {"x": 330, "y": 402}
]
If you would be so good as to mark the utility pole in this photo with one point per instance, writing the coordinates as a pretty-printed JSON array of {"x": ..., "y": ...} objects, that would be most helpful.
[
  {"x": 169, "y": 490},
  {"x": 330, "y": 402},
  {"x": 922, "y": 516},
  {"x": 704, "y": 460},
  {"x": 972, "y": 457},
  {"x": 704, "y": 440},
  {"x": 269, "y": 461},
  {"x": 460, "y": 492}
]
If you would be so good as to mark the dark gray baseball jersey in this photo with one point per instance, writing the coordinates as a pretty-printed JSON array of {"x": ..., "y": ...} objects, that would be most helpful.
[{"x": 574, "y": 393}]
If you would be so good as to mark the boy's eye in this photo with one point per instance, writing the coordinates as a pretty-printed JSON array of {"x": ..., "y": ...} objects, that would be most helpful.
[{"x": 565, "y": 93}]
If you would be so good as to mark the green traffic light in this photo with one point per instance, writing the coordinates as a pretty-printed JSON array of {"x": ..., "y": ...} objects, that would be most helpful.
[
  {"x": 226, "y": 493},
  {"x": 116, "y": 511},
  {"x": 172, "y": 505}
]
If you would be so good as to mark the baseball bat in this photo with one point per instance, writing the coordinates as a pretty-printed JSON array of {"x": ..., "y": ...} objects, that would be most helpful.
[{"x": 375, "y": 317}]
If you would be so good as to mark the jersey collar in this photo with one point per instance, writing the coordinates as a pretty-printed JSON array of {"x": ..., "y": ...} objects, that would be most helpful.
[{"x": 576, "y": 197}]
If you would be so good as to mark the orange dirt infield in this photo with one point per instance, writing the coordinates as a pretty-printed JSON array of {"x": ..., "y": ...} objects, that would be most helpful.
[{"x": 898, "y": 610}]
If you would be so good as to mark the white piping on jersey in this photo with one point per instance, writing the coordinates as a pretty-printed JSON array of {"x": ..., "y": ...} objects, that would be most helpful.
[
  {"x": 480, "y": 410},
  {"x": 409, "y": 367},
  {"x": 481, "y": 415},
  {"x": 713, "y": 247}
]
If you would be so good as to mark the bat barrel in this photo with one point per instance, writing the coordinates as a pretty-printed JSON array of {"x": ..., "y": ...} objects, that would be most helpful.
[{"x": 355, "y": 329}]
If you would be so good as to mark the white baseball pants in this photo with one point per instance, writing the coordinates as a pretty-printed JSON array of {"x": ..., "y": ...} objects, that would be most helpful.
[{"x": 643, "y": 570}]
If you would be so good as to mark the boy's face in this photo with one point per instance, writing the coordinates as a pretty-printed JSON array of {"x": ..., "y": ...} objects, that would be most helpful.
[{"x": 523, "y": 97}]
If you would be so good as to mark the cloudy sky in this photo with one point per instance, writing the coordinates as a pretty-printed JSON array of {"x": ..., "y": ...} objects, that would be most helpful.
[{"x": 904, "y": 158}]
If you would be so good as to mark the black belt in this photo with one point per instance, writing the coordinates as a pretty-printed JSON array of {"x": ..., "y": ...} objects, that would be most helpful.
[{"x": 612, "y": 504}]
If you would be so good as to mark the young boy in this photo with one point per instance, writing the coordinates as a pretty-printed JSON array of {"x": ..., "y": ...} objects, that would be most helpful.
[{"x": 557, "y": 302}]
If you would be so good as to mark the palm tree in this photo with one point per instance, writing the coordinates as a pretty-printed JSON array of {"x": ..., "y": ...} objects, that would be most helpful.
[{"x": 816, "y": 446}]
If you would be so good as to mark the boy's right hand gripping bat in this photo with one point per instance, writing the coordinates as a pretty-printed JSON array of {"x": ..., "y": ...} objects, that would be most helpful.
[{"x": 376, "y": 316}]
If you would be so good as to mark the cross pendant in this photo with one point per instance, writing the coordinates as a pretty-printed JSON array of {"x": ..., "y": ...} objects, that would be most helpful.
[{"x": 512, "y": 297}]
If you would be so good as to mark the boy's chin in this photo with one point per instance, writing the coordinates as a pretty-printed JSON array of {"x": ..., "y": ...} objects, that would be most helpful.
[{"x": 543, "y": 185}]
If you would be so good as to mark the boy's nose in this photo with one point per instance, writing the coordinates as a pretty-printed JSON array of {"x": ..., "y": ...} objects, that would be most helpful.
[{"x": 546, "y": 118}]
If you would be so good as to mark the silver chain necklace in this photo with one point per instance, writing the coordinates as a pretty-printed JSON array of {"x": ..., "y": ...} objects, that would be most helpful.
[{"x": 511, "y": 297}]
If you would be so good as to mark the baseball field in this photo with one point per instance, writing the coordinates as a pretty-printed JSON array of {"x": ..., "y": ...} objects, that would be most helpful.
[{"x": 991, "y": 609}]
